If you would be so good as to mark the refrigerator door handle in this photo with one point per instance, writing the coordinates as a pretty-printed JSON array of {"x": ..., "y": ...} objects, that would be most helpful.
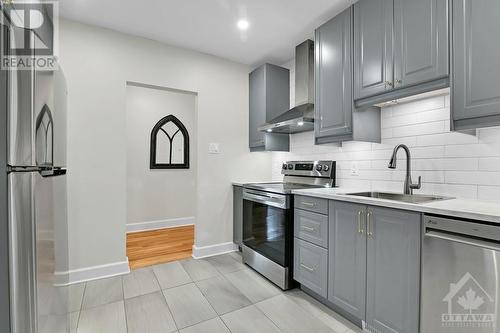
[{"x": 44, "y": 171}]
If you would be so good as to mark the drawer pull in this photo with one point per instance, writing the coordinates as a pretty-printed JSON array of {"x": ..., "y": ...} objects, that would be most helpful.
[
  {"x": 307, "y": 268},
  {"x": 308, "y": 228},
  {"x": 308, "y": 204}
]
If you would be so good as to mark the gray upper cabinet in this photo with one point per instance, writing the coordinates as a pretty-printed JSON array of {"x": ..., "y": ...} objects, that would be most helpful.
[
  {"x": 393, "y": 270},
  {"x": 333, "y": 74},
  {"x": 401, "y": 48},
  {"x": 421, "y": 42},
  {"x": 373, "y": 53},
  {"x": 336, "y": 119},
  {"x": 475, "y": 63},
  {"x": 347, "y": 259},
  {"x": 269, "y": 96}
]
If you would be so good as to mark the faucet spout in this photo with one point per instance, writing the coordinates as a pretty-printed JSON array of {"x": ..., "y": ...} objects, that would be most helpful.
[{"x": 408, "y": 185}]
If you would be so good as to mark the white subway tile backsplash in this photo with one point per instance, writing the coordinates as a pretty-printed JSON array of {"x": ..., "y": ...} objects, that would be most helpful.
[{"x": 450, "y": 163}]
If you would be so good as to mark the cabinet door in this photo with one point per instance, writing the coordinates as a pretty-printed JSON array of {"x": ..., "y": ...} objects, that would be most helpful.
[
  {"x": 257, "y": 107},
  {"x": 421, "y": 41},
  {"x": 347, "y": 258},
  {"x": 238, "y": 215},
  {"x": 333, "y": 74},
  {"x": 476, "y": 65},
  {"x": 393, "y": 270},
  {"x": 373, "y": 54}
]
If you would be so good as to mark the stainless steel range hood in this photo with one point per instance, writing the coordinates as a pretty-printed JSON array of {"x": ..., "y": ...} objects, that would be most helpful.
[{"x": 301, "y": 117}]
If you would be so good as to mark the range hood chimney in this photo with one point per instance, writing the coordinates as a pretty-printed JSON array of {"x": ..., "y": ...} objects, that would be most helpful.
[{"x": 301, "y": 117}]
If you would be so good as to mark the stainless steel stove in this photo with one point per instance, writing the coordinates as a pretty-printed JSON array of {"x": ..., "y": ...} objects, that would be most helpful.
[{"x": 268, "y": 218}]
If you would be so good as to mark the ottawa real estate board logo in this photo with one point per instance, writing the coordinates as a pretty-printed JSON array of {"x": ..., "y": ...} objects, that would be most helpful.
[
  {"x": 469, "y": 305},
  {"x": 29, "y": 34}
]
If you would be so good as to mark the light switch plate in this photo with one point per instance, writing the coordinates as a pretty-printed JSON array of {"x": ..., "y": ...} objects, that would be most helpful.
[
  {"x": 214, "y": 148},
  {"x": 354, "y": 169}
]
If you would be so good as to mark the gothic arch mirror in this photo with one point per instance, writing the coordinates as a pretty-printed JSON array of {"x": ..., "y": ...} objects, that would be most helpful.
[
  {"x": 44, "y": 137},
  {"x": 169, "y": 144}
]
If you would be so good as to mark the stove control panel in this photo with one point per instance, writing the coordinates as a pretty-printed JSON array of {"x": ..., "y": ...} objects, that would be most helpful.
[{"x": 322, "y": 169}]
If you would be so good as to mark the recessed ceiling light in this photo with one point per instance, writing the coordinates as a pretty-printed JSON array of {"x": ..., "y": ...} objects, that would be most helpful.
[
  {"x": 243, "y": 24},
  {"x": 300, "y": 123},
  {"x": 269, "y": 130}
]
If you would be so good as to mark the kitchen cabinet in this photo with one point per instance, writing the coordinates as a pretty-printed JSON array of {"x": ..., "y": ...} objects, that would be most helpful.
[
  {"x": 475, "y": 96},
  {"x": 401, "y": 48},
  {"x": 269, "y": 96},
  {"x": 373, "y": 24},
  {"x": 421, "y": 39},
  {"x": 336, "y": 119},
  {"x": 310, "y": 266},
  {"x": 393, "y": 270},
  {"x": 347, "y": 259},
  {"x": 373, "y": 265},
  {"x": 238, "y": 215}
]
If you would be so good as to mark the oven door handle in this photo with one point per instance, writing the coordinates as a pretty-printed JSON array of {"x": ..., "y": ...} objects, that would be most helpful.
[{"x": 266, "y": 199}]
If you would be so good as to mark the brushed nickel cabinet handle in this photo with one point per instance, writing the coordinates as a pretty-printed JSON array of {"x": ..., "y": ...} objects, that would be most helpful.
[
  {"x": 308, "y": 204},
  {"x": 360, "y": 228},
  {"x": 307, "y": 268},
  {"x": 369, "y": 231},
  {"x": 307, "y": 228}
]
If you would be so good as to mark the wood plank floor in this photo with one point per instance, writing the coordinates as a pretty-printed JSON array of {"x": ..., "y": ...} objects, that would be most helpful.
[{"x": 148, "y": 248}]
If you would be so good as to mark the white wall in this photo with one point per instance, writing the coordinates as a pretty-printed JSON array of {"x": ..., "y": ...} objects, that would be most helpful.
[
  {"x": 98, "y": 63},
  {"x": 156, "y": 195},
  {"x": 450, "y": 163}
]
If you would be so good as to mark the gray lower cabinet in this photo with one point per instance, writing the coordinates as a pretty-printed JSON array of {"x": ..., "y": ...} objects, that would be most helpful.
[
  {"x": 311, "y": 227},
  {"x": 347, "y": 259},
  {"x": 421, "y": 51},
  {"x": 393, "y": 270},
  {"x": 269, "y": 95},
  {"x": 310, "y": 266},
  {"x": 238, "y": 215},
  {"x": 336, "y": 119},
  {"x": 475, "y": 63}
]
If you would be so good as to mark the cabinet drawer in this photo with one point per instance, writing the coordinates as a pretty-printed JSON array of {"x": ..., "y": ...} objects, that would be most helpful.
[
  {"x": 311, "y": 266},
  {"x": 311, "y": 227},
  {"x": 316, "y": 205}
]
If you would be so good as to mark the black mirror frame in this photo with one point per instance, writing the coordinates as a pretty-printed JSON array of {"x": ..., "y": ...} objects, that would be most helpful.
[{"x": 154, "y": 133}]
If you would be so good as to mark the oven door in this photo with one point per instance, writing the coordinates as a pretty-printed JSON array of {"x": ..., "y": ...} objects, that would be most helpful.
[{"x": 268, "y": 225}]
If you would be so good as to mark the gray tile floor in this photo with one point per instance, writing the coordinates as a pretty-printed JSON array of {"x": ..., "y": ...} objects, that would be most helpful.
[{"x": 218, "y": 294}]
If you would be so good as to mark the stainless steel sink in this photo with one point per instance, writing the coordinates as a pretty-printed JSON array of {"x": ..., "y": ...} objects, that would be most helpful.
[{"x": 415, "y": 198}]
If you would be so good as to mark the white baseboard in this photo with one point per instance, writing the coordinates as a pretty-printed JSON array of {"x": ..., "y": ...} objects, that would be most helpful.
[
  {"x": 91, "y": 273},
  {"x": 213, "y": 250},
  {"x": 160, "y": 224}
]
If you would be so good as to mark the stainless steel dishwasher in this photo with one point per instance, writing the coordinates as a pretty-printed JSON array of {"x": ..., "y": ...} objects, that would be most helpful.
[{"x": 460, "y": 276}]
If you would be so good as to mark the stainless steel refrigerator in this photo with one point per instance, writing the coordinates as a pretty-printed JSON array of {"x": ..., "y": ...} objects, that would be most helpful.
[{"x": 33, "y": 226}]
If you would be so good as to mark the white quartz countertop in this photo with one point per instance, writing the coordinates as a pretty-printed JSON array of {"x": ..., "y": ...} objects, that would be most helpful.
[
  {"x": 241, "y": 183},
  {"x": 468, "y": 209}
]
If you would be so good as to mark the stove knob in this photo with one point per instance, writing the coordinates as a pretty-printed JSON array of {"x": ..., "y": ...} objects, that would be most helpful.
[
  {"x": 319, "y": 167},
  {"x": 290, "y": 166},
  {"x": 326, "y": 167},
  {"x": 284, "y": 166}
]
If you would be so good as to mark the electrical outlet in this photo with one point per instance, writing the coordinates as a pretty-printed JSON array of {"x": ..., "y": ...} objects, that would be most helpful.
[{"x": 214, "y": 148}]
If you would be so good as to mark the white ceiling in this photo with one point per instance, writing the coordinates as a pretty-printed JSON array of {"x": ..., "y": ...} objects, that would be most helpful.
[{"x": 209, "y": 26}]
